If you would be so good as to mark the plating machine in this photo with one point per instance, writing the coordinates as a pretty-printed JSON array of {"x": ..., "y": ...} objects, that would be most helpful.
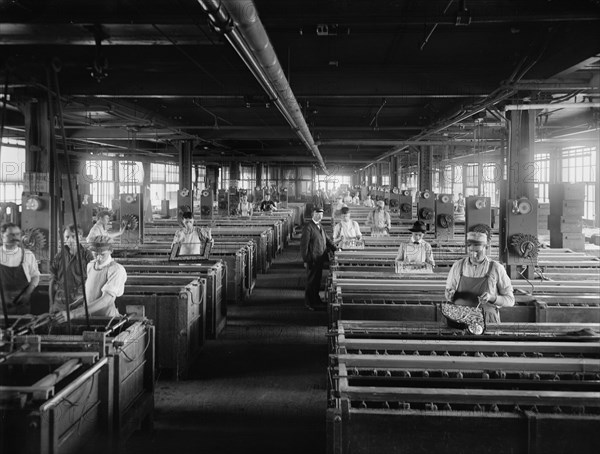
[
  {"x": 66, "y": 391},
  {"x": 400, "y": 387}
]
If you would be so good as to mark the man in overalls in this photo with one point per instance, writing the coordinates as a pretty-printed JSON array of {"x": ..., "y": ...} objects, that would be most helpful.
[
  {"x": 479, "y": 281},
  {"x": 19, "y": 272},
  {"x": 104, "y": 284}
]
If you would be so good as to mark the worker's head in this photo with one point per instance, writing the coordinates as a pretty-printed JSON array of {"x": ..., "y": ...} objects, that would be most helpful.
[
  {"x": 101, "y": 247},
  {"x": 187, "y": 219},
  {"x": 345, "y": 213},
  {"x": 70, "y": 236},
  {"x": 103, "y": 217},
  {"x": 477, "y": 243},
  {"x": 418, "y": 231},
  {"x": 380, "y": 205},
  {"x": 11, "y": 235},
  {"x": 244, "y": 198},
  {"x": 267, "y": 196},
  {"x": 317, "y": 213}
]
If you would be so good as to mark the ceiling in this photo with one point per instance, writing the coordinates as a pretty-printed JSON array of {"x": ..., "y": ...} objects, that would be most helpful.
[{"x": 370, "y": 78}]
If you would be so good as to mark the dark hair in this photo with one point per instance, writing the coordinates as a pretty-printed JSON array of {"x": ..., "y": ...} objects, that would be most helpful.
[
  {"x": 187, "y": 215},
  {"x": 345, "y": 210},
  {"x": 9, "y": 225},
  {"x": 71, "y": 228},
  {"x": 102, "y": 213},
  {"x": 482, "y": 228}
]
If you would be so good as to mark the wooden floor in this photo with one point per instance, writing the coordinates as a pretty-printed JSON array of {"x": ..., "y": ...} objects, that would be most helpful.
[{"x": 261, "y": 388}]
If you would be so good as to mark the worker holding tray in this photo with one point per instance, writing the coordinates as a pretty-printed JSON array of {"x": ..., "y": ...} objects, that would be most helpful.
[{"x": 415, "y": 255}]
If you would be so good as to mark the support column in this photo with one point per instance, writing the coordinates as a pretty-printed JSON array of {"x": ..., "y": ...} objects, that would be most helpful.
[
  {"x": 521, "y": 168},
  {"x": 597, "y": 208},
  {"x": 40, "y": 142},
  {"x": 394, "y": 174},
  {"x": 234, "y": 175},
  {"x": 185, "y": 193},
  {"x": 425, "y": 160}
]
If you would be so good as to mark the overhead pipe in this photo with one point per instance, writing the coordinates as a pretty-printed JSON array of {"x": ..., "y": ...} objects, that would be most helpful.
[{"x": 238, "y": 21}]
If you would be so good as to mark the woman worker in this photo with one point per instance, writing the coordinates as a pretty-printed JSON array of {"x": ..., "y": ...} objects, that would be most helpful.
[
  {"x": 346, "y": 229},
  {"x": 417, "y": 251}
]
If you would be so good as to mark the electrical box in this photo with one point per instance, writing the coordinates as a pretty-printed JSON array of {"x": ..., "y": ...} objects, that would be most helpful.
[
  {"x": 519, "y": 243},
  {"x": 426, "y": 208},
  {"x": 405, "y": 204},
  {"x": 35, "y": 224},
  {"x": 132, "y": 217},
  {"x": 478, "y": 210},
  {"x": 223, "y": 202},
  {"x": 9, "y": 212},
  {"x": 444, "y": 217},
  {"x": 395, "y": 200},
  {"x": 206, "y": 204}
]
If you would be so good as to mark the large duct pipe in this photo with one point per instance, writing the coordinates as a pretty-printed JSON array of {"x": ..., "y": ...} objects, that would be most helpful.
[{"x": 238, "y": 21}]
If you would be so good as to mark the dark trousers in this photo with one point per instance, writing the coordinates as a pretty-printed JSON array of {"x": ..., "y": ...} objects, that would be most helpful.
[{"x": 314, "y": 272}]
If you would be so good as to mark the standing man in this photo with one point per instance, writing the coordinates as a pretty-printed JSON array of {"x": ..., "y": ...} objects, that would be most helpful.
[
  {"x": 66, "y": 263},
  {"x": 100, "y": 227},
  {"x": 379, "y": 220},
  {"x": 191, "y": 238},
  {"x": 479, "y": 281},
  {"x": 19, "y": 272},
  {"x": 314, "y": 246},
  {"x": 104, "y": 284}
]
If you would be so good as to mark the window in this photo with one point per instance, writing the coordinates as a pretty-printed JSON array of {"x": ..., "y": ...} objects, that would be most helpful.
[
  {"x": 164, "y": 184},
  {"x": 385, "y": 180},
  {"x": 101, "y": 176},
  {"x": 247, "y": 178},
  {"x": 131, "y": 177},
  {"x": 224, "y": 178},
  {"x": 579, "y": 166},
  {"x": 435, "y": 180},
  {"x": 12, "y": 165},
  {"x": 491, "y": 175},
  {"x": 541, "y": 176}
]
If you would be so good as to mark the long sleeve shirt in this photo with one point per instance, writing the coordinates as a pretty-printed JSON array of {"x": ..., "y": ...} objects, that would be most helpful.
[{"x": 499, "y": 283}]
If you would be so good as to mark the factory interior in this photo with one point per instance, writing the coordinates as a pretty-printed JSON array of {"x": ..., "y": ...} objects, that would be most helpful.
[{"x": 283, "y": 227}]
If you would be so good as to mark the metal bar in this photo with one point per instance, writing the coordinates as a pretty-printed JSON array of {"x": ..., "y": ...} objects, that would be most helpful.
[{"x": 568, "y": 105}]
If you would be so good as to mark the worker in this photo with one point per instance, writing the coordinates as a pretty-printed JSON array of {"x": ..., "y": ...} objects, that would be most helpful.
[
  {"x": 104, "y": 284},
  {"x": 66, "y": 263},
  {"x": 347, "y": 199},
  {"x": 191, "y": 240},
  {"x": 459, "y": 207},
  {"x": 244, "y": 208},
  {"x": 369, "y": 203},
  {"x": 355, "y": 199},
  {"x": 101, "y": 225},
  {"x": 314, "y": 247},
  {"x": 379, "y": 220},
  {"x": 346, "y": 229},
  {"x": 19, "y": 272},
  {"x": 478, "y": 281},
  {"x": 267, "y": 204},
  {"x": 417, "y": 252}
]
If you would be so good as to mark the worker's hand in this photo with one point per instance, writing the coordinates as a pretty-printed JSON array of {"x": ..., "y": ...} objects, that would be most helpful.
[
  {"x": 487, "y": 298},
  {"x": 450, "y": 293},
  {"x": 23, "y": 298},
  {"x": 60, "y": 316}
]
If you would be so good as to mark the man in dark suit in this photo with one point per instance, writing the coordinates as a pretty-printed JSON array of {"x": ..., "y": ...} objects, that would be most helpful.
[{"x": 314, "y": 245}]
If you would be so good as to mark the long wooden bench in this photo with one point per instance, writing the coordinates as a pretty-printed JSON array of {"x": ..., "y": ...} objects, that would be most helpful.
[{"x": 426, "y": 392}]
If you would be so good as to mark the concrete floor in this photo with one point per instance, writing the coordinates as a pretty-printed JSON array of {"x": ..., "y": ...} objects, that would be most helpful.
[{"x": 260, "y": 388}]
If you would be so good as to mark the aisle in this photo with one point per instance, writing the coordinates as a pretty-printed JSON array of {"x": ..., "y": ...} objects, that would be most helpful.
[{"x": 261, "y": 387}]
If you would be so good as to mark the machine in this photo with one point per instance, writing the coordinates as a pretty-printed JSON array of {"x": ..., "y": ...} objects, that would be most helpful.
[
  {"x": 222, "y": 202},
  {"x": 234, "y": 200},
  {"x": 518, "y": 233},
  {"x": 405, "y": 204},
  {"x": 426, "y": 208},
  {"x": 444, "y": 217},
  {"x": 131, "y": 217},
  {"x": 206, "y": 204}
]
